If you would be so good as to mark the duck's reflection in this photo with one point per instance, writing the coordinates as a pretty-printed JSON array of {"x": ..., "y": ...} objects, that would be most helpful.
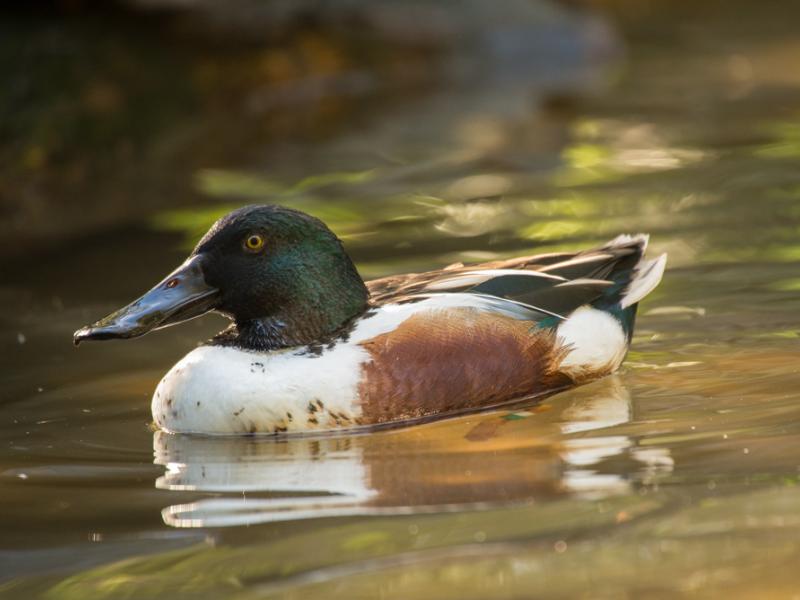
[{"x": 559, "y": 447}]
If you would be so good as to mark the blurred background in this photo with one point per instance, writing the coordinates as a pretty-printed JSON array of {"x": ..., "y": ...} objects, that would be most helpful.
[
  {"x": 424, "y": 133},
  {"x": 436, "y": 123}
]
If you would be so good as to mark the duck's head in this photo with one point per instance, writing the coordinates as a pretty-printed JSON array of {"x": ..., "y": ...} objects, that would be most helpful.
[{"x": 281, "y": 275}]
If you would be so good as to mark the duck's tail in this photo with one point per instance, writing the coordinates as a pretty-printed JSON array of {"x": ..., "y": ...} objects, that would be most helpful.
[
  {"x": 634, "y": 278},
  {"x": 598, "y": 334}
]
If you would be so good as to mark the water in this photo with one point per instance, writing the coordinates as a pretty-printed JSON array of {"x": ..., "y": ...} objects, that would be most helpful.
[{"x": 677, "y": 477}]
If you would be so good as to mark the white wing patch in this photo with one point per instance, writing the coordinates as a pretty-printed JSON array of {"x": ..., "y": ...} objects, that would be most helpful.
[{"x": 471, "y": 278}]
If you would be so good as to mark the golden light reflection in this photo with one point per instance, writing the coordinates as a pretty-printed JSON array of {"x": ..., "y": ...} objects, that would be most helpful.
[{"x": 606, "y": 150}]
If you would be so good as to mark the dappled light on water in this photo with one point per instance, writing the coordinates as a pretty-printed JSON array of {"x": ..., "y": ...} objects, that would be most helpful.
[{"x": 677, "y": 477}]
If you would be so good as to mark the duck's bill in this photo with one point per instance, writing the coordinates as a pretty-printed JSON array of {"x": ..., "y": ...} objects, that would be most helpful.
[{"x": 182, "y": 295}]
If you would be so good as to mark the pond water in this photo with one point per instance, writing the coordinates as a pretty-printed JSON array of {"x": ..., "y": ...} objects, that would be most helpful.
[{"x": 677, "y": 477}]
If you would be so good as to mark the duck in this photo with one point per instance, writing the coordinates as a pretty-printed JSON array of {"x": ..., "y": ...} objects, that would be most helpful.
[{"x": 313, "y": 348}]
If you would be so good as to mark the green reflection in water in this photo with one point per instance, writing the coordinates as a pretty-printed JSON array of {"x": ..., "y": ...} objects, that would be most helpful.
[
  {"x": 785, "y": 142},
  {"x": 217, "y": 182},
  {"x": 208, "y": 572},
  {"x": 561, "y": 548}
]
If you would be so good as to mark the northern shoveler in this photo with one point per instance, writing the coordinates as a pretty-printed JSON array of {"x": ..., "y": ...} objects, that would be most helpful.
[{"x": 314, "y": 348}]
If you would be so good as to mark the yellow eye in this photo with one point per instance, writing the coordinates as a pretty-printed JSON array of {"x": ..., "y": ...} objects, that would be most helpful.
[{"x": 254, "y": 242}]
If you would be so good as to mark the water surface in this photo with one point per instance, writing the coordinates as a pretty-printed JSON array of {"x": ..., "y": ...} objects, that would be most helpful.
[{"x": 677, "y": 477}]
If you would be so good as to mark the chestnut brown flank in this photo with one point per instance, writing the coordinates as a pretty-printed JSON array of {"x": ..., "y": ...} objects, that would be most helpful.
[{"x": 442, "y": 361}]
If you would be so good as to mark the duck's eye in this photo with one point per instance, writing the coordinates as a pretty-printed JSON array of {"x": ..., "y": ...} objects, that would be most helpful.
[{"x": 254, "y": 242}]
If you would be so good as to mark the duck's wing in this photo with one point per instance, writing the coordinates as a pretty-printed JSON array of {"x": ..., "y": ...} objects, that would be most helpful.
[
  {"x": 439, "y": 344},
  {"x": 554, "y": 284},
  {"x": 386, "y": 289}
]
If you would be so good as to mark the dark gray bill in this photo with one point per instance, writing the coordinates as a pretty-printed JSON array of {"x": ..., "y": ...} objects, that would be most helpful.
[{"x": 182, "y": 295}]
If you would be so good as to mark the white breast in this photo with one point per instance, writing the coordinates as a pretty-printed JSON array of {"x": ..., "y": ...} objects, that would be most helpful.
[{"x": 220, "y": 390}]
